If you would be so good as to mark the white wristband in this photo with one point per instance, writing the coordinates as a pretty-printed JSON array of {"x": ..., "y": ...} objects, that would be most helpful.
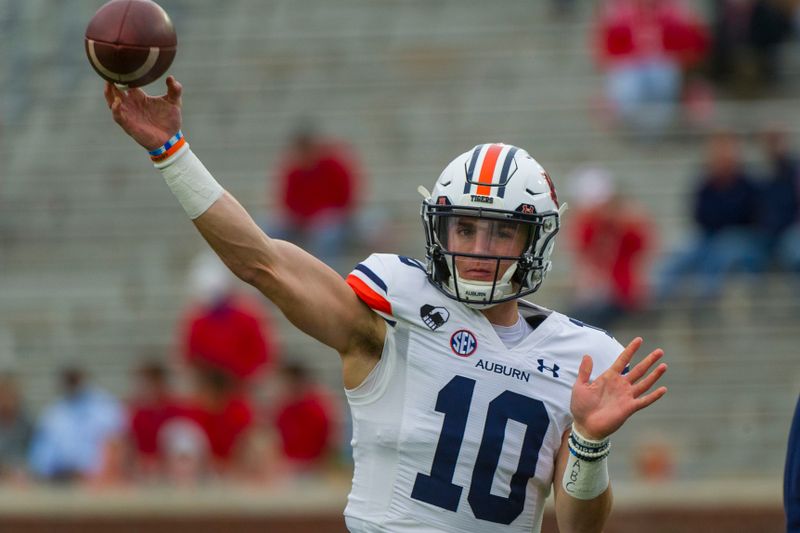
[
  {"x": 585, "y": 480},
  {"x": 190, "y": 182}
]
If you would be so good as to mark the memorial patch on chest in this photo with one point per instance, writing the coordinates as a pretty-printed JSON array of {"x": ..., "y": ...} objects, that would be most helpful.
[{"x": 434, "y": 317}]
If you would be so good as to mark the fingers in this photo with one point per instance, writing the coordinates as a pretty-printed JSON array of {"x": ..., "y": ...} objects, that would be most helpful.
[
  {"x": 585, "y": 370},
  {"x": 645, "y": 384},
  {"x": 626, "y": 355},
  {"x": 108, "y": 94},
  {"x": 644, "y": 365},
  {"x": 116, "y": 105},
  {"x": 644, "y": 401},
  {"x": 174, "y": 91}
]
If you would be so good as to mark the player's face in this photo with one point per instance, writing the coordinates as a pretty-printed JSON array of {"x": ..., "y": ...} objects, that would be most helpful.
[{"x": 473, "y": 235}]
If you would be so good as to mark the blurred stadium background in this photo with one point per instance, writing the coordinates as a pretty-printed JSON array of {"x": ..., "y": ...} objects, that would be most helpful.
[{"x": 94, "y": 250}]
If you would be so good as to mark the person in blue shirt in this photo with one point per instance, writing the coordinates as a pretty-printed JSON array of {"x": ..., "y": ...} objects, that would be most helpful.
[
  {"x": 73, "y": 432},
  {"x": 779, "y": 213},
  {"x": 725, "y": 213}
]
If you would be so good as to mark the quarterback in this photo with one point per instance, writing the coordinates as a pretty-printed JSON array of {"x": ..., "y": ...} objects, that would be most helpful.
[{"x": 469, "y": 404}]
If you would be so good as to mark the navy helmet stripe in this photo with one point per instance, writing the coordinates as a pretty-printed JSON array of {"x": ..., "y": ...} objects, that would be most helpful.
[
  {"x": 504, "y": 174},
  {"x": 471, "y": 168},
  {"x": 371, "y": 275}
]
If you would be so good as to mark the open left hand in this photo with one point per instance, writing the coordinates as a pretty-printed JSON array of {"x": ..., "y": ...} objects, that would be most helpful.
[
  {"x": 150, "y": 120},
  {"x": 601, "y": 407}
]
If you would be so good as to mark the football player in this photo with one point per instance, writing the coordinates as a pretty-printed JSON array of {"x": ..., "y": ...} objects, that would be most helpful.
[{"x": 468, "y": 402}]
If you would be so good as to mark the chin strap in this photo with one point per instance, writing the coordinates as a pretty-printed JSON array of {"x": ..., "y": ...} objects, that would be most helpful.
[{"x": 481, "y": 291}]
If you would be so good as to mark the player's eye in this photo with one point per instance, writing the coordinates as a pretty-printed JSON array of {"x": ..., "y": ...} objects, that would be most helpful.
[
  {"x": 465, "y": 231},
  {"x": 506, "y": 232},
  {"x": 465, "y": 228}
]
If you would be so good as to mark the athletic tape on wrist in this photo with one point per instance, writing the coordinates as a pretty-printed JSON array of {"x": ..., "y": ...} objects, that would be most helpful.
[
  {"x": 190, "y": 181},
  {"x": 585, "y": 480},
  {"x": 586, "y": 475}
]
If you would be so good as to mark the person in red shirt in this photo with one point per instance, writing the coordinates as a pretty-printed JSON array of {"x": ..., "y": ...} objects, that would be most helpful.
[
  {"x": 152, "y": 405},
  {"x": 221, "y": 415},
  {"x": 612, "y": 238},
  {"x": 224, "y": 329},
  {"x": 224, "y": 413},
  {"x": 227, "y": 345},
  {"x": 306, "y": 420},
  {"x": 317, "y": 181},
  {"x": 644, "y": 47}
]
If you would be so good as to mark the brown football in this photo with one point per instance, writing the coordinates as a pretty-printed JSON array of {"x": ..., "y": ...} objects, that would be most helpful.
[{"x": 130, "y": 42}]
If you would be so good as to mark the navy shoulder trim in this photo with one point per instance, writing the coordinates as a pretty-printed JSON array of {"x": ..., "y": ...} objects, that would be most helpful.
[
  {"x": 585, "y": 325},
  {"x": 361, "y": 267},
  {"x": 412, "y": 263}
]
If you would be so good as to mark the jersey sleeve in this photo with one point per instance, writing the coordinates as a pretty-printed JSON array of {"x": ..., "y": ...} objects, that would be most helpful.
[
  {"x": 370, "y": 280},
  {"x": 605, "y": 352},
  {"x": 597, "y": 343}
]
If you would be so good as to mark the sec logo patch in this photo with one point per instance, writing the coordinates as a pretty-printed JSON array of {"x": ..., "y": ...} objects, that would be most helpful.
[{"x": 463, "y": 343}]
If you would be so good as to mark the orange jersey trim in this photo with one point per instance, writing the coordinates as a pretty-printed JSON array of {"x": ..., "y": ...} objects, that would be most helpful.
[{"x": 369, "y": 296}]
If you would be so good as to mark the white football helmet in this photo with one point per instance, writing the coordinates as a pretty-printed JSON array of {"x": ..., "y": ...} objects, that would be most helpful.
[{"x": 503, "y": 191}]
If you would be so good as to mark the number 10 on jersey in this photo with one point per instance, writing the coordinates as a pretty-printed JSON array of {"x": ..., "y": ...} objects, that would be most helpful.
[{"x": 454, "y": 402}]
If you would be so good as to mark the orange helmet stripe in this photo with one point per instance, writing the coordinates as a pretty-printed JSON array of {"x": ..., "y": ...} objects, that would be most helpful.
[{"x": 487, "y": 169}]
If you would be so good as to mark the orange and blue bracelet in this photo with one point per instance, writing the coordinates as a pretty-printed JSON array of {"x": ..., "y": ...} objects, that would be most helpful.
[{"x": 169, "y": 148}]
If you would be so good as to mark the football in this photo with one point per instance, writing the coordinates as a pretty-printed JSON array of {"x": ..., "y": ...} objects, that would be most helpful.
[{"x": 130, "y": 42}]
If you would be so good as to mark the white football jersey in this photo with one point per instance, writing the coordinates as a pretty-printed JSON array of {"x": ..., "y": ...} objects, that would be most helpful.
[{"x": 452, "y": 431}]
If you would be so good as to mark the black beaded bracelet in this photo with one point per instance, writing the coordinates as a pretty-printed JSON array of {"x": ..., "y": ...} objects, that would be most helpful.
[{"x": 590, "y": 457}]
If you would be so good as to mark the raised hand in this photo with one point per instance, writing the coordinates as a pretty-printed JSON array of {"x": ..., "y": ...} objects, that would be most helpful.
[
  {"x": 601, "y": 407},
  {"x": 150, "y": 120}
]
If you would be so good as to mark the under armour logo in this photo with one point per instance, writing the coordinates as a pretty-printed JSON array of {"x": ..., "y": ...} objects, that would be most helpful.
[
  {"x": 434, "y": 317},
  {"x": 541, "y": 368}
]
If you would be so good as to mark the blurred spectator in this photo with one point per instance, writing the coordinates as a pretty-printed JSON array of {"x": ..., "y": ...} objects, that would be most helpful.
[
  {"x": 224, "y": 329},
  {"x": 643, "y": 46},
  {"x": 746, "y": 42},
  {"x": 185, "y": 441},
  {"x": 15, "y": 431},
  {"x": 151, "y": 407},
  {"x": 224, "y": 413},
  {"x": 186, "y": 452},
  {"x": 306, "y": 419},
  {"x": 611, "y": 236},
  {"x": 317, "y": 181},
  {"x": 74, "y": 434},
  {"x": 725, "y": 213},
  {"x": 259, "y": 457},
  {"x": 779, "y": 211}
]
